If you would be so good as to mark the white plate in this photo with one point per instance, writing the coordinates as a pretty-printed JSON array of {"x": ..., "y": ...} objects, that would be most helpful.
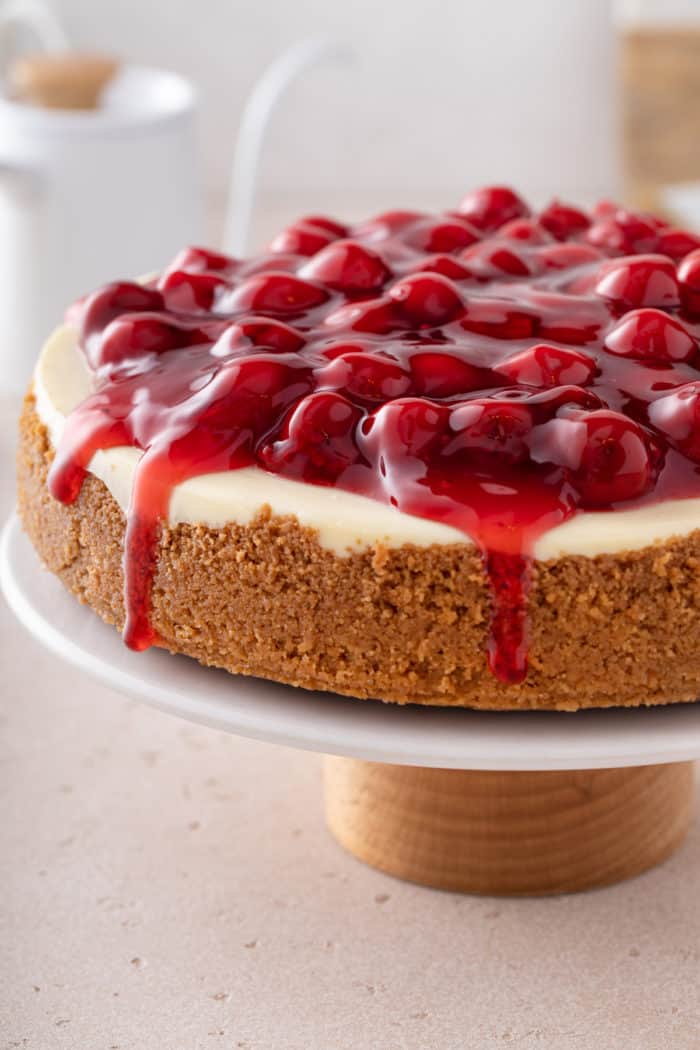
[{"x": 325, "y": 722}]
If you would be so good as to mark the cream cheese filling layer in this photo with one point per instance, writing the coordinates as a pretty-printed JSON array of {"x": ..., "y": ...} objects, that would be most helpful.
[{"x": 344, "y": 521}]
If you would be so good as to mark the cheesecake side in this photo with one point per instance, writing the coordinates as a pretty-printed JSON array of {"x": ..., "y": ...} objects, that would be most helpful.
[{"x": 406, "y": 625}]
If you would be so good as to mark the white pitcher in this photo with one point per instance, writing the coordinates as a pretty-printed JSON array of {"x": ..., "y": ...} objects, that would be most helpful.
[{"x": 89, "y": 195}]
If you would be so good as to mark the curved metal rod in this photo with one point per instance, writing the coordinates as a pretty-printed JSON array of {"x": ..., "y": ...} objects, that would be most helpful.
[
  {"x": 256, "y": 117},
  {"x": 38, "y": 17}
]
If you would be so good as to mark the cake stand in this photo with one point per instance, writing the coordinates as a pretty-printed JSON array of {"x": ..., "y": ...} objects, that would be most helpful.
[{"x": 501, "y": 803}]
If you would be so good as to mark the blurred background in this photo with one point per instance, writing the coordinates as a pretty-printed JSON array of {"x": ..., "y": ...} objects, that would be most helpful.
[{"x": 441, "y": 96}]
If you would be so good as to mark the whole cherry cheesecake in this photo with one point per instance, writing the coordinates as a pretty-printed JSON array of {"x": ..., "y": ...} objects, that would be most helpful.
[{"x": 443, "y": 459}]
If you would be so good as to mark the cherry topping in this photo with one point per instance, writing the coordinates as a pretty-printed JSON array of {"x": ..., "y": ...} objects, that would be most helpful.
[
  {"x": 197, "y": 260},
  {"x": 492, "y": 206},
  {"x": 544, "y": 365},
  {"x": 409, "y": 427},
  {"x": 677, "y": 243},
  {"x": 319, "y": 443},
  {"x": 563, "y": 220},
  {"x": 437, "y": 374},
  {"x": 386, "y": 224},
  {"x": 128, "y": 337},
  {"x": 566, "y": 256},
  {"x": 489, "y": 427},
  {"x": 378, "y": 316},
  {"x": 447, "y": 235},
  {"x": 495, "y": 258},
  {"x": 447, "y": 265},
  {"x": 276, "y": 293},
  {"x": 653, "y": 335},
  {"x": 527, "y": 230},
  {"x": 624, "y": 232},
  {"x": 689, "y": 282},
  {"x": 322, "y": 222},
  {"x": 251, "y": 393},
  {"x": 112, "y": 300},
  {"x": 561, "y": 400},
  {"x": 500, "y": 319},
  {"x": 427, "y": 299},
  {"x": 639, "y": 280},
  {"x": 677, "y": 417},
  {"x": 615, "y": 462},
  {"x": 365, "y": 377},
  {"x": 348, "y": 267},
  {"x": 258, "y": 332},
  {"x": 302, "y": 238},
  {"x": 188, "y": 292}
]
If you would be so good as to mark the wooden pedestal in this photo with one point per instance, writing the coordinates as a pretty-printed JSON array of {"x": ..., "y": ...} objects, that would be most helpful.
[{"x": 508, "y": 833}]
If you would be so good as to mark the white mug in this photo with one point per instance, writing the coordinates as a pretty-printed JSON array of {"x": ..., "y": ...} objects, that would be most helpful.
[{"x": 89, "y": 195}]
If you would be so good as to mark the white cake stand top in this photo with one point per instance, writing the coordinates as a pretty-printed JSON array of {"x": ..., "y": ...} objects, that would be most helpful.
[{"x": 412, "y": 735}]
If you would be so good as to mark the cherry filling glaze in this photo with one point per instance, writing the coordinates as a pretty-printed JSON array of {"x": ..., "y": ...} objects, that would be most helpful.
[{"x": 491, "y": 368}]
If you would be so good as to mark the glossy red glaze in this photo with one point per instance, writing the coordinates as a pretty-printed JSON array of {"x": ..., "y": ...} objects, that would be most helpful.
[{"x": 488, "y": 369}]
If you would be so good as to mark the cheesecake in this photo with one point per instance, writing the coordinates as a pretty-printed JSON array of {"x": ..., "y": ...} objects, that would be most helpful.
[{"x": 446, "y": 459}]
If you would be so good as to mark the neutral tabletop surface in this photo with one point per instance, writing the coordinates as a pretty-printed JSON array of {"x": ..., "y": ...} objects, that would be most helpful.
[{"x": 168, "y": 887}]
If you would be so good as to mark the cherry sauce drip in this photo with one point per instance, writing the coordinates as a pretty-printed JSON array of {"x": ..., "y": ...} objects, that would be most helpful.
[{"x": 489, "y": 368}]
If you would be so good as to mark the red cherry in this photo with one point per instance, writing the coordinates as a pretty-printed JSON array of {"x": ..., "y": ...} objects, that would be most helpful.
[
  {"x": 250, "y": 395},
  {"x": 678, "y": 243},
  {"x": 677, "y": 417},
  {"x": 639, "y": 280},
  {"x": 133, "y": 335},
  {"x": 112, "y": 300},
  {"x": 492, "y": 206},
  {"x": 624, "y": 232},
  {"x": 615, "y": 463},
  {"x": 447, "y": 265},
  {"x": 427, "y": 299},
  {"x": 386, "y": 225},
  {"x": 319, "y": 440},
  {"x": 365, "y": 377},
  {"x": 277, "y": 293},
  {"x": 197, "y": 260},
  {"x": 258, "y": 332},
  {"x": 348, "y": 267},
  {"x": 443, "y": 235},
  {"x": 324, "y": 223},
  {"x": 490, "y": 427},
  {"x": 378, "y": 316},
  {"x": 499, "y": 319},
  {"x": 188, "y": 292},
  {"x": 301, "y": 239},
  {"x": 407, "y": 428},
  {"x": 437, "y": 374},
  {"x": 602, "y": 209},
  {"x": 527, "y": 230},
  {"x": 651, "y": 335},
  {"x": 689, "y": 282},
  {"x": 493, "y": 258},
  {"x": 563, "y": 221},
  {"x": 546, "y": 365},
  {"x": 337, "y": 348},
  {"x": 565, "y": 256}
]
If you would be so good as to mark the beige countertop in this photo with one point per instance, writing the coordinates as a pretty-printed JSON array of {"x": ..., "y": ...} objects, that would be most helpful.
[{"x": 168, "y": 887}]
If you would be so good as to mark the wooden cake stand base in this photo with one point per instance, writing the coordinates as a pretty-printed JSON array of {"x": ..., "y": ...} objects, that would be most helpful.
[{"x": 509, "y": 833}]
